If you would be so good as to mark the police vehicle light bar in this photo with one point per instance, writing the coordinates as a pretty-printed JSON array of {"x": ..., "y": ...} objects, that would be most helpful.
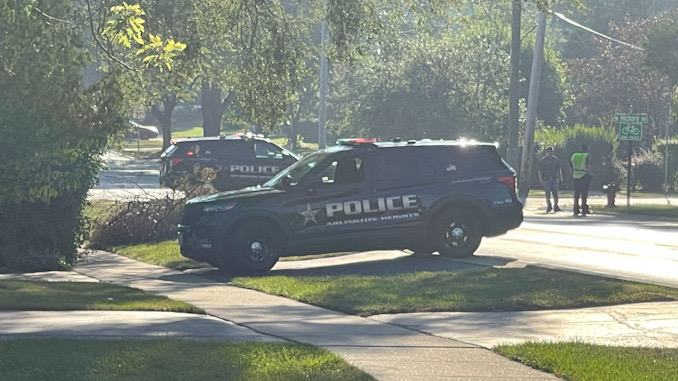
[
  {"x": 356, "y": 141},
  {"x": 248, "y": 135}
]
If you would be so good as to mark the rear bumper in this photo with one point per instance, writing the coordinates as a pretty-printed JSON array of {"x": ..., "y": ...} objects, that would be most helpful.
[{"x": 502, "y": 220}]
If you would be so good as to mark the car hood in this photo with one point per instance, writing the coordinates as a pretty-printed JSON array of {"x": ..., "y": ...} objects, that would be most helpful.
[{"x": 240, "y": 194}]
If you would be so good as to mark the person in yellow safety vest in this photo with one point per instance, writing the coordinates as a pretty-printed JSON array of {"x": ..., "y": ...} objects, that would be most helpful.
[{"x": 580, "y": 165}]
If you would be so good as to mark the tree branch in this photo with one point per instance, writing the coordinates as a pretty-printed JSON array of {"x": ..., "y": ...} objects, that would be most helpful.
[{"x": 99, "y": 44}]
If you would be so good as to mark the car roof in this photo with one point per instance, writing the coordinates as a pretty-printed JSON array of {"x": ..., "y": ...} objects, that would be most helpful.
[
  {"x": 238, "y": 136},
  {"x": 363, "y": 143}
]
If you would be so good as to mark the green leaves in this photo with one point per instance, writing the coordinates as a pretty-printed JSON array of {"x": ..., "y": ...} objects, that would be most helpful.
[
  {"x": 159, "y": 54},
  {"x": 127, "y": 25},
  {"x": 659, "y": 49}
]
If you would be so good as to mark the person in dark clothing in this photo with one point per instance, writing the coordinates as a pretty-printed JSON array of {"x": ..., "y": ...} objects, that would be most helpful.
[
  {"x": 550, "y": 176},
  {"x": 580, "y": 165}
]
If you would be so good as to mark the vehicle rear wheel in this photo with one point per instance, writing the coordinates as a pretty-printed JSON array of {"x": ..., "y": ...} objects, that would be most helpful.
[
  {"x": 252, "y": 248},
  {"x": 457, "y": 233}
]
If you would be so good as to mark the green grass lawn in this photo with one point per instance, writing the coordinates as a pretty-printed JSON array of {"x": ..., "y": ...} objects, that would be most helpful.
[
  {"x": 168, "y": 359},
  {"x": 25, "y": 295},
  {"x": 472, "y": 290},
  {"x": 194, "y": 132},
  {"x": 670, "y": 211},
  {"x": 164, "y": 253},
  {"x": 167, "y": 254},
  {"x": 584, "y": 362},
  {"x": 468, "y": 288}
]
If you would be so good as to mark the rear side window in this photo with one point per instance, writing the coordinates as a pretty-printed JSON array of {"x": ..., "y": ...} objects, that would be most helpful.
[
  {"x": 222, "y": 149},
  {"x": 187, "y": 149},
  {"x": 265, "y": 150},
  {"x": 470, "y": 158},
  {"x": 398, "y": 164},
  {"x": 236, "y": 150}
]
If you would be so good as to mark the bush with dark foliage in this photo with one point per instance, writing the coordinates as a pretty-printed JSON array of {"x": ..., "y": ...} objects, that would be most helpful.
[
  {"x": 143, "y": 220},
  {"x": 137, "y": 221}
]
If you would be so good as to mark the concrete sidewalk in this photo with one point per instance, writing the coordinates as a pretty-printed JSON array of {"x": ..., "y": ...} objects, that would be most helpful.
[
  {"x": 386, "y": 351},
  {"x": 419, "y": 346}
]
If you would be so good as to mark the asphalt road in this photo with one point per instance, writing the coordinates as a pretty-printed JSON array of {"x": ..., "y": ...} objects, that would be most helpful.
[
  {"x": 128, "y": 178},
  {"x": 623, "y": 246}
]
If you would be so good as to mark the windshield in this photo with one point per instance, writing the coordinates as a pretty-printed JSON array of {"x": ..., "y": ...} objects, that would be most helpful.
[{"x": 298, "y": 170}]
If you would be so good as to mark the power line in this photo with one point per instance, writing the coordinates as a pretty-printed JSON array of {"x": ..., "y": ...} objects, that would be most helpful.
[{"x": 574, "y": 23}]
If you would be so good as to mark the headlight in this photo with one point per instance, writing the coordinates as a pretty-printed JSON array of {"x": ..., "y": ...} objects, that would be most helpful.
[{"x": 218, "y": 208}]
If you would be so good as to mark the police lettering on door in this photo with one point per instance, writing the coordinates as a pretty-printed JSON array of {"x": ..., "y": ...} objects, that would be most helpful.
[
  {"x": 381, "y": 204},
  {"x": 243, "y": 170},
  {"x": 362, "y": 211}
]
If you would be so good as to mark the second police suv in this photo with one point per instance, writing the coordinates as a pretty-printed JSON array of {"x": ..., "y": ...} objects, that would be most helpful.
[
  {"x": 425, "y": 196},
  {"x": 239, "y": 160}
]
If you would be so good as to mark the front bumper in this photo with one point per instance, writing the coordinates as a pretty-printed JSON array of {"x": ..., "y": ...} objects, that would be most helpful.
[{"x": 198, "y": 246}]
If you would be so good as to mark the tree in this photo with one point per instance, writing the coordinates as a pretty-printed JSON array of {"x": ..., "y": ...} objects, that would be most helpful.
[
  {"x": 429, "y": 87},
  {"x": 617, "y": 78},
  {"x": 54, "y": 133},
  {"x": 252, "y": 54},
  {"x": 660, "y": 47},
  {"x": 158, "y": 79}
]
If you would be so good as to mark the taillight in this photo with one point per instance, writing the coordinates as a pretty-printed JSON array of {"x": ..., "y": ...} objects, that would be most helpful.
[
  {"x": 510, "y": 181},
  {"x": 176, "y": 161}
]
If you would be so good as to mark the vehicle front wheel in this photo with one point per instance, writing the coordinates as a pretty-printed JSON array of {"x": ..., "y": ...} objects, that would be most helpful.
[
  {"x": 457, "y": 233},
  {"x": 252, "y": 248}
]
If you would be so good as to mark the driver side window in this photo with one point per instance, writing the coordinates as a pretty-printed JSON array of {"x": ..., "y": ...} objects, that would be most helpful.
[{"x": 345, "y": 170}]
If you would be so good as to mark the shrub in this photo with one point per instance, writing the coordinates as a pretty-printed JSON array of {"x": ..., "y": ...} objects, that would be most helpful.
[
  {"x": 41, "y": 236},
  {"x": 672, "y": 170},
  {"x": 140, "y": 220},
  {"x": 137, "y": 221},
  {"x": 647, "y": 171}
]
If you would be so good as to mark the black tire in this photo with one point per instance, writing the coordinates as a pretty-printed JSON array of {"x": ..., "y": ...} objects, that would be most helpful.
[
  {"x": 457, "y": 233},
  {"x": 253, "y": 248}
]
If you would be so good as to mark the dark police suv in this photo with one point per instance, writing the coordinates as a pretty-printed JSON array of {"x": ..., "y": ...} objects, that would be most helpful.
[
  {"x": 425, "y": 196},
  {"x": 240, "y": 160}
]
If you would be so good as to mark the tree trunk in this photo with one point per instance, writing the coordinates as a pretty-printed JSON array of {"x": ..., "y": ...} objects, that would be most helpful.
[
  {"x": 213, "y": 108},
  {"x": 164, "y": 117},
  {"x": 514, "y": 86}
]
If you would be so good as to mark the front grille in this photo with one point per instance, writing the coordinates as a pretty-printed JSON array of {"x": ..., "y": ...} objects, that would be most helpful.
[{"x": 192, "y": 214}]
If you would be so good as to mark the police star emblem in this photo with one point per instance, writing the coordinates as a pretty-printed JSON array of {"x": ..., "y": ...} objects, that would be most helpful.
[{"x": 309, "y": 214}]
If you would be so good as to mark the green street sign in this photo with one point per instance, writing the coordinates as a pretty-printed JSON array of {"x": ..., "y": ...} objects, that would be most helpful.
[
  {"x": 631, "y": 131},
  {"x": 630, "y": 118}
]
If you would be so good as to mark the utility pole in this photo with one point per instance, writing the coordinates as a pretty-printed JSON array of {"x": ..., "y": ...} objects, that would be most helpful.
[
  {"x": 666, "y": 152},
  {"x": 532, "y": 105},
  {"x": 322, "y": 88},
  {"x": 514, "y": 86}
]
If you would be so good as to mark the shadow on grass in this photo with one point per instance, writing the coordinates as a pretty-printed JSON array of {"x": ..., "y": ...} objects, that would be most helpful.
[{"x": 400, "y": 265}]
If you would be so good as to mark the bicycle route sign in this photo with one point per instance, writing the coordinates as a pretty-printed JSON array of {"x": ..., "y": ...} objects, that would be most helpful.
[{"x": 630, "y": 126}]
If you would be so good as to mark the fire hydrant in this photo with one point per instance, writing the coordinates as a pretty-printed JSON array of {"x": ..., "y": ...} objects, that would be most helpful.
[{"x": 610, "y": 191}]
